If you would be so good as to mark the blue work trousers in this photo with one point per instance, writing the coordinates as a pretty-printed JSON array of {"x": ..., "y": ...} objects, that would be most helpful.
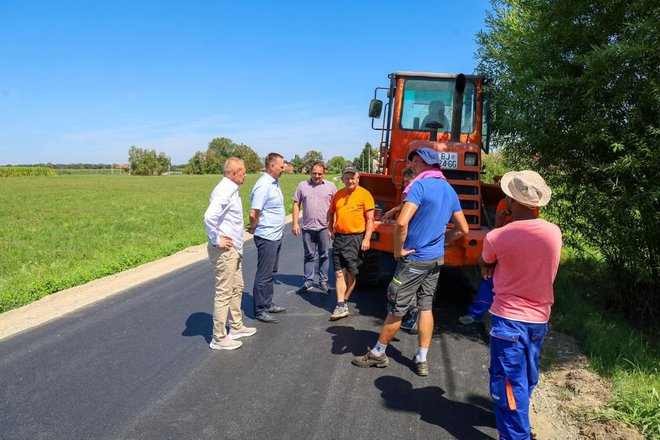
[
  {"x": 482, "y": 300},
  {"x": 515, "y": 347},
  {"x": 268, "y": 255},
  {"x": 316, "y": 243}
]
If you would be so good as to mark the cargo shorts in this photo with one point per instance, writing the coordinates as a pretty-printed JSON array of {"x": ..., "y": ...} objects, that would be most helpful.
[{"x": 413, "y": 279}]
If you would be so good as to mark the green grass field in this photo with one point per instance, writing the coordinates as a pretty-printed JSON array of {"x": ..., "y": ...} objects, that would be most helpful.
[{"x": 62, "y": 231}]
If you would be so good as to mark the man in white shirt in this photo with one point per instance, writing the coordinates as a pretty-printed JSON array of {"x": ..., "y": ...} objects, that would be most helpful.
[{"x": 224, "y": 228}]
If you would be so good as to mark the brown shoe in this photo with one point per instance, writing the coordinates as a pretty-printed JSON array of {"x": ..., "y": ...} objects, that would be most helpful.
[
  {"x": 371, "y": 360},
  {"x": 422, "y": 368}
]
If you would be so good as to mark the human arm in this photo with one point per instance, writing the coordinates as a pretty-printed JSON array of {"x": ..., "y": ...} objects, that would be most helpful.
[
  {"x": 295, "y": 228},
  {"x": 488, "y": 258},
  {"x": 501, "y": 214},
  {"x": 389, "y": 215},
  {"x": 460, "y": 228},
  {"x": 401, "y": 230},
  {"x": 331, "y": 223},
  {"x": 487, "y": 269},
  {"x": 369, "y": 229},
  {"x": 213, "y": 218},
  {"x": 254, "y": 220}
]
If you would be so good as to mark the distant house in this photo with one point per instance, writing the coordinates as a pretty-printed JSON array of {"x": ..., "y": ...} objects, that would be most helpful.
[{"x": 124, "y": 168}]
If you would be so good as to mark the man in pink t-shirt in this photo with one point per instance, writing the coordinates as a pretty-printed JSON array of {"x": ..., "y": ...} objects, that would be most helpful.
[{"x": 523, "y": 258}]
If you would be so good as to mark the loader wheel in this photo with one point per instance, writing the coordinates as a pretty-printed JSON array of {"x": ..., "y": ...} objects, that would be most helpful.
[{"x": 369, "y": 269}]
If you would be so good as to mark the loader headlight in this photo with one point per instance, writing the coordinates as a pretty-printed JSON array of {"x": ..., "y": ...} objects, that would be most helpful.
[{"x": 470, "y": 159}]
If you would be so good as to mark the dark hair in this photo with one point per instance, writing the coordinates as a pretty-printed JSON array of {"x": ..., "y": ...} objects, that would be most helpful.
[
  {"x": 319, "y": 164},
  {"x": 408, "y": 173},
  {"x": 271, "y": 157}
]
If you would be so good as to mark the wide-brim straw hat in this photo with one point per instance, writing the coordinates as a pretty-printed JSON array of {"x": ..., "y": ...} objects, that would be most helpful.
[{"x": 526, "y": 187}]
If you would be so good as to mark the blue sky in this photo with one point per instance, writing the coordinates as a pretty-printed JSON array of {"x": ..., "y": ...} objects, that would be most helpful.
[{"x": 82, "y": 81}]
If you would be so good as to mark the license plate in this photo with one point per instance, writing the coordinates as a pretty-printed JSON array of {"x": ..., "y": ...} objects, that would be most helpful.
[{"x": 448, "y": 160}]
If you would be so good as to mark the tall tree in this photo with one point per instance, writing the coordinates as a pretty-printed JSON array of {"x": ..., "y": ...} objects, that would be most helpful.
[
  {"x": 336, "y": 164},
  {"x": 147, "y": 162},
  {"x": 576, "y": 92},
  {"x": 365, "y": 162},
  {"x": 297, "y": 163},
  {"x": 219, "y": 149},
  {"x": 310, "y": 158}
]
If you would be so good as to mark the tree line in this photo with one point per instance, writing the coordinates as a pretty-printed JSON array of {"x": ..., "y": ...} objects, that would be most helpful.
[{"x": 149, "y": 162}]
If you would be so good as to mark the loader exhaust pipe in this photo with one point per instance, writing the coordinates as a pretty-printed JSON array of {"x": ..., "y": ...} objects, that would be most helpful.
[{"x": 457, "y": 112}]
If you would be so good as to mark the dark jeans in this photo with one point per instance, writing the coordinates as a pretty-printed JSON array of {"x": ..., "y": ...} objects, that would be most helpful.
[
  {"x": 268, "y": 255},
  {"x": 316, "y": 242}
]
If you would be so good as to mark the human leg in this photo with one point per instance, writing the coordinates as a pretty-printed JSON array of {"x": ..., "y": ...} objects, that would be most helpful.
[
  {"x": 223, "y": 289},
  {"x": 236, "y": 321},
  {"x": 324, "y": 261},
  {"x": 309, "y": 248},
  {"x": 350, "y": 280},
  {"x": 511, "y": 369},
  {"x": 267, "y": 252}
]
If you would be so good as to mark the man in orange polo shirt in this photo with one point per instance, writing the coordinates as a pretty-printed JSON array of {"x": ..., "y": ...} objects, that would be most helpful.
[{"x": 350, "y": 224}]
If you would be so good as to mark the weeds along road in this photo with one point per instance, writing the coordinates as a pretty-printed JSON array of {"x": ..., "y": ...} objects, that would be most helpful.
[{"x": 138, "y": 366}]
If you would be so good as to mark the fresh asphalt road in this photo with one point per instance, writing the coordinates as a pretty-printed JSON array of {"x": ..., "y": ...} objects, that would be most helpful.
[{"x": 138, "y": 366}]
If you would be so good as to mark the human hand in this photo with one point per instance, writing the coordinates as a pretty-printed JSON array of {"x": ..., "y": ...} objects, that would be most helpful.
[
  {"x": 365, "y": 245},
  {"x": 487, "y": 271},
  {"x": 402, "y": 253},
  {"x": 225, "y": 243},
  {"x": 388, "y": 216},
  {"x": 295, "y": 229}
]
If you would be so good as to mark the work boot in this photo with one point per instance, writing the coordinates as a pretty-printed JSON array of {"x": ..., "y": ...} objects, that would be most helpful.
[{"x": 371, "y": 360}]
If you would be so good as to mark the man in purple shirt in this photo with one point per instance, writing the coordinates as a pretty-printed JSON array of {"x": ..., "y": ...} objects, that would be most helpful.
[{"x": 315, "y": 195}]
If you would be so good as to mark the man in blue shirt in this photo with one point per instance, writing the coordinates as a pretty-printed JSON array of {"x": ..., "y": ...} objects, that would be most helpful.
[
  {"x": 419, "y": 248},
  {"x": 267, "y": 224}
]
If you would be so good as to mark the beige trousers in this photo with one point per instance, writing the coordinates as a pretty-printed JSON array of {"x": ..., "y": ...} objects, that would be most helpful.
[{"x": 228, "y": 289}]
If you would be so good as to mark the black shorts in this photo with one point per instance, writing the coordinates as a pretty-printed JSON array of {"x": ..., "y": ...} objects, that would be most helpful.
[{"x": 347, "y": 252}]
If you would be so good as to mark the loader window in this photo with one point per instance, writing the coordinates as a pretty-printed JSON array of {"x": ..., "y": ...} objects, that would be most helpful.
[{"x": 426, "y": 100}]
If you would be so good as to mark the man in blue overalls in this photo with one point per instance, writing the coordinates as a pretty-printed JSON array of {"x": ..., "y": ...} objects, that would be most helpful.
[{"x": 522, "y": 258}]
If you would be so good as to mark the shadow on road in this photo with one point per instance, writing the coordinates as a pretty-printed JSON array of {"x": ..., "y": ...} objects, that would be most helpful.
[
  {"x": 349, "y": 340},
  {"x": 457, "y": 418},
  {"x": 199, "y": 324}
]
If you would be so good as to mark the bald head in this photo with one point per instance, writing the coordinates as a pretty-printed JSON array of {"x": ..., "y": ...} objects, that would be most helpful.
[{"x": 235, "y": 170}]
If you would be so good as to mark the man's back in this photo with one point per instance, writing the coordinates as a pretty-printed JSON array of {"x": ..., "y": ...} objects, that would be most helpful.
[
  {"x": 527, "y": 254},
  {"x": 436, "y": 201}
]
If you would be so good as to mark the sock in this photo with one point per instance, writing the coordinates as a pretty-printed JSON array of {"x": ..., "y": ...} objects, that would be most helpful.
[
  {"x": 340, "y": 304},
  {"x": 379, "y": 349},
  {"x": 421, "y": 354}
]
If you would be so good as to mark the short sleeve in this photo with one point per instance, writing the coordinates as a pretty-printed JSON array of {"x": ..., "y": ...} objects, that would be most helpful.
[
  {"x": 369, "y": 203},
  {"x": 415, "y": 193},
  {"x": 297, "y": 195},
  {"x": 488, "y": 253},
  {"x": 259, "y": 197}
]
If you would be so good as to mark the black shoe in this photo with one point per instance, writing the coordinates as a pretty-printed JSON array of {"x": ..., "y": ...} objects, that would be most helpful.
[
  {"x": 276, "y": 309},
  {"x": 267, "y": 317},
  {"x": 306, "y": 287}
]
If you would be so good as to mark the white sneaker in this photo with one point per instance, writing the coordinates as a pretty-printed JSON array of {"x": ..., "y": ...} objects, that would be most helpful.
[
  {"x": 467, "y": 320},
  {"x": 241, "y": 332},
  {"x": 225, "y": 344}
]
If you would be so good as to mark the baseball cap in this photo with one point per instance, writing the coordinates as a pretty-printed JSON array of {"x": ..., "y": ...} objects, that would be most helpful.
[
  {"x": 428, "y": 155},
  {"x": 349, "y": 169}
]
